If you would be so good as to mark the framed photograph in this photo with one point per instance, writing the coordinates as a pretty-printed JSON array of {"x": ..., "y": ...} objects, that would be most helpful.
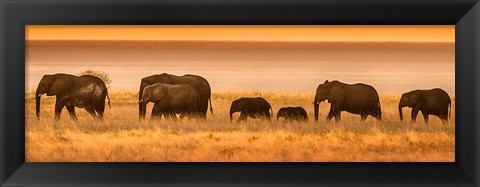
[{"x": 240, "y": 93}]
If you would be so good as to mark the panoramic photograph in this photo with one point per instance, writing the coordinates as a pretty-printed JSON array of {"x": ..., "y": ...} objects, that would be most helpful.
[{"x": 240, "y": 93}]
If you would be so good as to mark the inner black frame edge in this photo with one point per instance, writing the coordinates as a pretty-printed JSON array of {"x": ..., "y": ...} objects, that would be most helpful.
[{"x": 16, "y": 14}]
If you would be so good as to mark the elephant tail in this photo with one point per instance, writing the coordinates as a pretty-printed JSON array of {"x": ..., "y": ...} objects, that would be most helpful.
[
  {"x": 450, "y": 110},
  {"x": 211, "y": 109},
  {"x": 108, "y": 97},
  {"x": 379, "y": 110}
]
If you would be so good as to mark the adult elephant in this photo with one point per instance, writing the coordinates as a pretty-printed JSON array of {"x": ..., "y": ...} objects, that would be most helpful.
[
  {"x": 430, "y": 102},
  {"x": 251, "y": 107},
  {"x": 357, "y": 98},
  {"x": 72, "y": 91},
  {"x": 171, "y": 100},
  {"x": 200, "y": 84}
]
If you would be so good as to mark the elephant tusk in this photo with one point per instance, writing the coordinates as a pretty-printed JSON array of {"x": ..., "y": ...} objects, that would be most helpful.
[
  {"x": 39, "y": 95},
  {"x": 140, "y": 101}
]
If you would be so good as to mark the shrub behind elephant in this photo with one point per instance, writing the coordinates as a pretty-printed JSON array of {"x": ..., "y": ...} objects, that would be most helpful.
[
  {"x": 251, "y": 107},
  {"x": 293, "y": 114},
  {"x": 430, "y": 102},
  {"x": 358, "y": 98},
  {"x": 170, "y": 100},
  {"x": 72, "y": 91},
  {"x": 200, "y": 84}
]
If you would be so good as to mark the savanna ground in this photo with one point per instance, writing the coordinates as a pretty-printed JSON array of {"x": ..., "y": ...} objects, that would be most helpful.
[{"x": 123, "y": 137}]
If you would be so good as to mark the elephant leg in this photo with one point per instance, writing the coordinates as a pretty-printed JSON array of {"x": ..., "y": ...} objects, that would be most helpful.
[
  {"x": 337, "y": 116},
  {"x": 267, "y": 115},
  {"x": 172, "y": 116},
  {"x": 201, "y": 115},
  {"x": 444, "y": 116},
  {"x": 157, "y": 115},
  {"x": 156, "y": 112},
  {"x": 425, "y": 116},
  {"x": 415, "y": 111},
  {"x": 378, "y": 116},
  {"x": 195, "y": 114},
  {"x": 58, "y": 109},
  {"x": 264, "y": 115},
  {"x": 153, "y": 116},
  {"x": 167, "y": 116},
  {"x": 91, "y": 111},
  {"x": 444, "y": 120},
  {"x": 100, "y": 114},
  {"x": 242, "y": 117},
  {"x": 100, "y": 109},
  {"x": 330, "y": 115},
  {"x": 363, "y": 117},
  {"x": 71, "y": 111}
]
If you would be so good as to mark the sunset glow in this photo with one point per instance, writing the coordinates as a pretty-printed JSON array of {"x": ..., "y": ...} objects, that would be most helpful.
[
  {"x": 240, "y": 93},
  {"x": 245, "y": 33}
]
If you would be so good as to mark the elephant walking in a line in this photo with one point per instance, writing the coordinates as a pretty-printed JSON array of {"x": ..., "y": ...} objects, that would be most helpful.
[
  {"x": 357, "y": 98},
  {"x": 293, "y": 114},
  {"x": 170, "y": 100},
  {"x": 72, "y": 91},
  {"x": 200, "y": 84},
  {"x": 430, "y": 102},
  {"x": 251, "y": 107}
]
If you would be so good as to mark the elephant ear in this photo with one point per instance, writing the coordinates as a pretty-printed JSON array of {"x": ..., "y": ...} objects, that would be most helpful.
[
  {"x": 414, "y": 98},
  {"x": 241, "y": 104},
  {"x": 280, "y": 112},
  {"x": 59, "y": 85},
  {"x": 159, "y": 93}
]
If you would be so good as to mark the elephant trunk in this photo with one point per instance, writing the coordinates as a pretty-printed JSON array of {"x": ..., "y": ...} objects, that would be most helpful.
[
  {"x": 316, "y": 106},
  {"x": 400, "y": 112},
  {"x": 141, "y": 106},
  {"x": 37, "y": 104},
  {"x": 231, "y": 112}
]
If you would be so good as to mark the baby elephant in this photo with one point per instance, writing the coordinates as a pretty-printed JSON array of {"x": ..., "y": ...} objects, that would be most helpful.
[
  {"x": 251, "y": 107},
  {"x": 171, "y": 100},
  {"x": 293, "y": 114},
  {"x": 429, "y": 102}
]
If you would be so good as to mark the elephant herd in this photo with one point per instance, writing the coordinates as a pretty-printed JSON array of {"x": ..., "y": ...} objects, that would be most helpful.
[{"x": 190, "y": 96}]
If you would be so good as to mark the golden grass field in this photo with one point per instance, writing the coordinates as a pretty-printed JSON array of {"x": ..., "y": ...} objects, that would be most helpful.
[{"x": 122, "y": 137}]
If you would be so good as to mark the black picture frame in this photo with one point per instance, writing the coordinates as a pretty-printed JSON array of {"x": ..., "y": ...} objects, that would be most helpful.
[{"x": 15, "y": 14}]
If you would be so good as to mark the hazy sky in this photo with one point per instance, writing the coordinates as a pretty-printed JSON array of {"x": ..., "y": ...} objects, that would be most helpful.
[
  {"x": 250, "y": 33},
  {"x": 394, "y": 59}
]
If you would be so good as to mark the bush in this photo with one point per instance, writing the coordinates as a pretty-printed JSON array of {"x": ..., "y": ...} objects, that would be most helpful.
[{"x": 100, "y": 74}]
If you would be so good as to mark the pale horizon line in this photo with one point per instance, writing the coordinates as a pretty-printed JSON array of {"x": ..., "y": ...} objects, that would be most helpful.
[{"x": 217, "y": 91}]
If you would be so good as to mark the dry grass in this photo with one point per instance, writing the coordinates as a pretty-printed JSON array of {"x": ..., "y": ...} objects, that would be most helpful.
[{"x": 122, "y": 137}]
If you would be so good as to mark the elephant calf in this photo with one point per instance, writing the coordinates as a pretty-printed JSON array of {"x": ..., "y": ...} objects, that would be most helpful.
[
  {"x": 171, "y": 100},
  {"x": 293, "y": 114},
  {"x": 251, "y": 107},
  {"x": 430, "y": 102},
  {"x": 200, "y": 84}
]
